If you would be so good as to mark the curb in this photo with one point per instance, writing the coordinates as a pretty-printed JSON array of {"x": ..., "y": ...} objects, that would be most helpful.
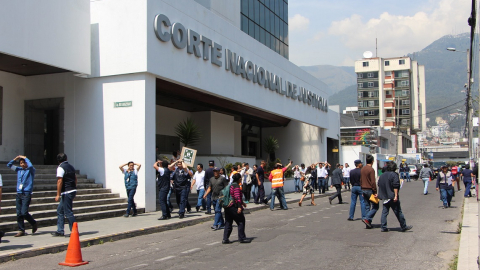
[
  {"x": 468, "y": 244},
  {"x": 127, "y": 234}
]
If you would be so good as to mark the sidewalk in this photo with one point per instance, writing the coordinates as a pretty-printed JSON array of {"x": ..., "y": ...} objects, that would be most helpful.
[
  {"x": 468, "y": 250},
  {"x": 113, "y": 229}
]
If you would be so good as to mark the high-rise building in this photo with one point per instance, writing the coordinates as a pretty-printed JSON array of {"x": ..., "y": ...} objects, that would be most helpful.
[
  {"x": 267, "y": 22},
  {"x": 391, "y": 93}
]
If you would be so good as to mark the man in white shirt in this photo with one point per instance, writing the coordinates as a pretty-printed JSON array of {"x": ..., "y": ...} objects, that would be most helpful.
[
  {"x": 322, "y": 175},
  {"x": 198, "y": 180},
  {"x": 346, "y": 176}
]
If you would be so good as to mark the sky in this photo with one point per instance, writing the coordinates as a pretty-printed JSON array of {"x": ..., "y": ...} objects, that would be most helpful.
[{"x": 326, "y": 32}]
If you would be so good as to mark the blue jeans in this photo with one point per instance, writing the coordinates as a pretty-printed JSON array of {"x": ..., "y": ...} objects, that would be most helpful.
[
  {"x": 64, "y": 210},
  {"x": 162, "y": 197},
  {"x": 281, "y": 197},
  {"x": 209, "y": 203},
  {"x": 23, "y": 203},
  {"x": 397, "y": 210},
  {"x": 181, "y": 196},
  {"x": 254, "y": 191},
  {"x": 169, "y": 204},
  {"x": 131, "y": 202},
  {"x": 408, "y": 176},
  {"x": 346, "y": 181},
  {"x": 446, "y": 195},
  {"x": 201, "y": 200},
  {"x": 468, "y": 185},
  {"x": 322, "y": 184},
  {"x": 370, "y": 207},
  {"x": 218, "y": 221},
  {"x": 357, "y": 193},
  {"x": 402, "y": 175},
  {"x": 314, "y": 185},
  {"x": 425, "y": 185},
  {"x": 296, "y": 182}
]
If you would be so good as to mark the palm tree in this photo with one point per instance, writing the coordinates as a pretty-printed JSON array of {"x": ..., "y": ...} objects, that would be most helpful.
[
  {"x": 270, "y": 146},
  {"x": 188, "y": 132}
]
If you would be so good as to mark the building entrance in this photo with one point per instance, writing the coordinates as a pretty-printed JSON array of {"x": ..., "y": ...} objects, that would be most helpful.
[{"x": 44, "y": 132}]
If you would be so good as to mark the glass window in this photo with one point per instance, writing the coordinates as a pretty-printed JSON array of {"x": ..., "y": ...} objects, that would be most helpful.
[
  {"x": 370, "y": 84},
  {"x": 281, "y": 48},
  {"x": 371, "y": 103},
  {"x": 272, "y": 23},
  {"x": 257, "y": 32},
  {"x": 406, "y": 102},
  {"x": 287, "y": 53},
  {"x": 405, "y": 93},
  {"x": 244, "y": 23},
  {"x": 262, "y": 16},
  {"x": 360, "y": 104},
  {"x": 282, "y": 37},
  {"x": 250, "y": 9},
  {"x": 245, "y": 7},
  {"x": 267, "y": 19},
  {"x": 387, "y": 63},
  {"x": 360, "y": 94},
  {"x": 262, "y": 36},
  {"x": 365, "y": 64},
  {"x": 285, "y": 11},
  {"x": 370, "y": 74},
  {"x": 405, "y": 111},
  {"x": 272, "y": 42},
  {"x": 285, "y": 32},
  {"x": 257, "y": 12},
  {"x": 271, "y": 5},
  {"x": 280, "y": 14},
  {"x": 277, "y": 7},
  {"x": 251, "y": 28},
  {"x": 359, "y": 75},
  {"x": 267, "y": 39},
  {"x": 401, "y": 62},
  {"x": 360, "y": 85},
  {"x": 277, "y": 27},
  {"x": 389, "y": 110}
]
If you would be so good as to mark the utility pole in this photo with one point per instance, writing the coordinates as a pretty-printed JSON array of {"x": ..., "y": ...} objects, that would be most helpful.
[
  {"x": 396, "y": 126},
  {"x": 469, "y": 123}
]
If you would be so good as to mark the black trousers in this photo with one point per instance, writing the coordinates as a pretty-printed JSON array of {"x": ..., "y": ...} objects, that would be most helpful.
[
  {"x": 230, "y": 216},
  {"x": 247, "y": 191},
  {"x": 260, "y": 196},
  {"x": 338, "y": 194}
]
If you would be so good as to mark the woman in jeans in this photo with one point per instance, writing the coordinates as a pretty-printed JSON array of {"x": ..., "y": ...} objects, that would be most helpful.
[
  {"x": 296, "y": 178},
  {"x": 131, "y": 182},
  {"x": 234, "y": 212}
]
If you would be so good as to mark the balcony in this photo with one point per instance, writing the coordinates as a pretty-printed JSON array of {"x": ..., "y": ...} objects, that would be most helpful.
[
  {"x": 389, "y": 124},
  {"x": 388, "y": 86},
  {"x": 388, "y": 105},
  {"x": 389, "y": 79}
]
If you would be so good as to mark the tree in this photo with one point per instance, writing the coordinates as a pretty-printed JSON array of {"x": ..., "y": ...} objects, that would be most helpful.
[
  {"x": 270, "y": 146},
  {"x": 188, "y": 132}
]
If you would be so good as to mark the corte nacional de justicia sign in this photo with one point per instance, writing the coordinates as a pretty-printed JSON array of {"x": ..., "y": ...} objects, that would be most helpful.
[{"x": 209, "y": 50}]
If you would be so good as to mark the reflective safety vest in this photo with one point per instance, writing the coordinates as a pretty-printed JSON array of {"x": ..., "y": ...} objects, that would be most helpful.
[{"x": 277, "y": 178}]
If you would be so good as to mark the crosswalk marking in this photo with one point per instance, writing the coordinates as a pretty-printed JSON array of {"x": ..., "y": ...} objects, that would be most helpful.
[
  {"x": 214, "y": 243},
  {"x": 191, "y": 250},
  {"x": 165, "y": 258}
]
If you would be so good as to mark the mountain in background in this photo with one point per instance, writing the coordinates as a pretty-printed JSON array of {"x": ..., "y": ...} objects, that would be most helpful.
[
  {"x": 445, "y": 76},
  {"x": 336, "y": 78}
]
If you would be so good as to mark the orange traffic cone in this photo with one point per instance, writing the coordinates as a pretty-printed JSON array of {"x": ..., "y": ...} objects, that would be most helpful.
[{"x": 74, "y": 253}]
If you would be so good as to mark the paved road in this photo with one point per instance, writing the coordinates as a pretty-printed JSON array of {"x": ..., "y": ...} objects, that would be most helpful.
[{"x": 307, "y": 237}]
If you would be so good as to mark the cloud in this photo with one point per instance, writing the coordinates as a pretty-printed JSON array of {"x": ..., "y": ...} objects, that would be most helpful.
[
  {"x": 398, "y": 35},
  {"x": 298, "y": 23},
  {"x": 319, "y": 35}
]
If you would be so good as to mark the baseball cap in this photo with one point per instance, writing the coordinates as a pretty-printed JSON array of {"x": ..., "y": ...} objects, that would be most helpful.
[
  {"x": 216, "y": 169},
  {"x": 211, "y": 162},
  {"x": 357, "y": 161}
]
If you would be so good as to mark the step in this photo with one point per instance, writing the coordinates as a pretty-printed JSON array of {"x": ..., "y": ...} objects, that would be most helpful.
[
  {"x": 53, "y": 193},
  {"x": 39, "y": 176},
  {"x": 52, "y": 205},
  {"x": 42, "y": 200},
  {"x": 7, "y": 171},
  {"x": 13, "y": 183},
  {"x": 50, "y": 221},
  {"x": 79, "y": 210},
  {"x": 53, "y": 186}
]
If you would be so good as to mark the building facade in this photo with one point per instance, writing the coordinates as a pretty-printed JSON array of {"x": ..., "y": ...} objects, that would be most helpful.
[{"x": 112, "y": 79}]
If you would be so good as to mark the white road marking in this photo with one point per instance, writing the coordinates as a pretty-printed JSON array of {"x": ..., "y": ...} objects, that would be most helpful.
[
  {"x": 214, "y": 243},
  {"x": 326, "y": 217},
  {"x": 300, "y": 226},
  {"x": 314, "y": 212},
  {"x": 136, "y": 266},
  {"x": 165, "y": 258},
  {"x": 191, "y": 250},
  {"x": 291, "y": 219},
  {"x": 301, "y": 216}
]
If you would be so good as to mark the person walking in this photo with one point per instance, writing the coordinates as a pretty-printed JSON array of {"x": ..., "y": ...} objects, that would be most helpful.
[
  {"x": 322, "y": 174},
  {"x": 337, "y": 179},
  {"x": 311, "y": 174},
  {"x": 369, "y": 189},
  {"x": 401, "y": 170},
  {"x": 260, "y": 179},
  {"x": 425, "y": 174},
  {"x": 216, "y": 184},
  {"x": 445, "y": 185},
  {"x": 163, "y": 187},
  {"x": 302, "y": 175},
  {"x": 25, "y": 178},
  {"x": 355, "y": 176},
  {"x": 66, "y": 192},
  {"x": 208, "y": 176},
  {"x": 181, "y": 185},
  {"x": 254, "y": 182},
  {"x": 131, "y": 183},
  {"x": 407, "y": 172},
  {"x": 455, "y": 174},
  {"x": 234, "y": 212},
  {"x": 388, "y": 191},
  {"x": 247, "y": 175},
  {"x": 198, "y": 181},
  {"x": 346, "y": 176},
  {"x": 467, "y": 180},
  {"x": 297, "y": 174},
  {"x": 276, "y": 177}
]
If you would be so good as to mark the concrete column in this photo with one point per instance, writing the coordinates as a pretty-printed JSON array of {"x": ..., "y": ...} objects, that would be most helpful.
[{"x": 223, "y": 135}]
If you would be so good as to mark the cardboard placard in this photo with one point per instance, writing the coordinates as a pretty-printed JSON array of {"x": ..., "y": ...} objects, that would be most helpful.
[{"x": 188, "y": 155}]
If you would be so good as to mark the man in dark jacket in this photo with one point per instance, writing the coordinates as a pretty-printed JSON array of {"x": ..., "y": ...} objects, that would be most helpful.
[
  {"x": 388, "y": 187},
  {"x": 337, "y": 179}
]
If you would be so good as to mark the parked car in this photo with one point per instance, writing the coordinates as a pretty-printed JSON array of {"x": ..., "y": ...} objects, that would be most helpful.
[{"x": 413, "y": 171}]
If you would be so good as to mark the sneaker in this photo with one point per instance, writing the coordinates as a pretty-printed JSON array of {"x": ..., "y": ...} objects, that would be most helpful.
[
  {"x": 213, "y": 227},
  {"x": 407, "y": 228},
  {"x": 246, "y": 202},
  {"x": 220, "y": 227},
  {"x": 367, "y": 223},
  {"x": 20, "y": 233},
  {"x": 226, "y": 242},
  {"x": 198, "y": 209},
  {"x": 350, "y": 219},
  {"x": 163, "y": 218},
  {"x": 56, "y": 234},
  {"x": 245, "y": 241},
  {"x": 181, "y": 216},
  {"x": 34, "y": 228},
  {"x": 126, "y": 215}
]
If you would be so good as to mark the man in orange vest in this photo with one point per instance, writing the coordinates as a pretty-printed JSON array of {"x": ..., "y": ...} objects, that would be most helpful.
[{"x": 276, "y": 177}]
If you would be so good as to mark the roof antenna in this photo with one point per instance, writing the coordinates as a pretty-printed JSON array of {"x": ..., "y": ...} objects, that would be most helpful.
[{"x": 376, "y": 48}]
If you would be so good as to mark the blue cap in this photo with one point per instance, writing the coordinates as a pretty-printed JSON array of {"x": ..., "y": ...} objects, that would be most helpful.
[{"x": 358, "y": 161}]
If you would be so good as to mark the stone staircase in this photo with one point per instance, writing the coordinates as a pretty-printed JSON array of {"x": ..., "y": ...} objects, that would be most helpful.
[{"x": 92, "y": 201}]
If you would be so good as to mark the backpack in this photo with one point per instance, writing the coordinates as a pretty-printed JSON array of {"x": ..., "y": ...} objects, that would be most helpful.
[{"x": 225, "y": 199}]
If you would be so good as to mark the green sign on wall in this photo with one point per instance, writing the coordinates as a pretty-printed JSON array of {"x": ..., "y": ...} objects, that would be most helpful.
[{"x": 122, "y": 104}]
